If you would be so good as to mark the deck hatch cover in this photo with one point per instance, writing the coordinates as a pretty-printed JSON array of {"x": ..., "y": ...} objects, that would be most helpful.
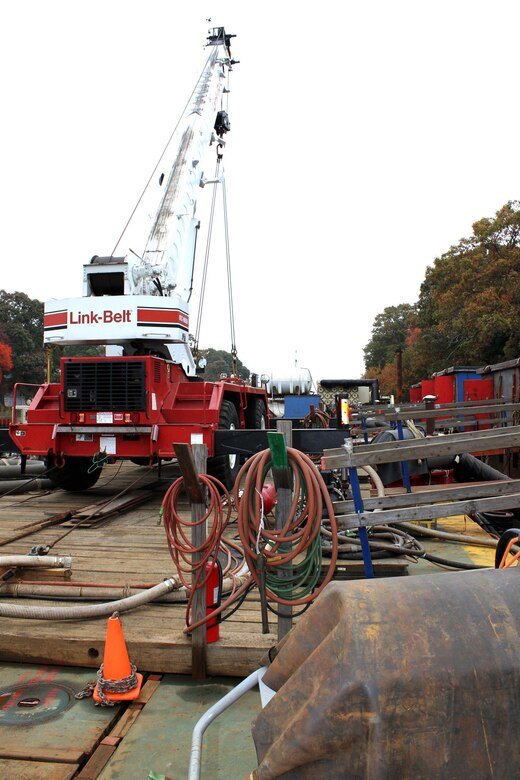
[{"x": 105, "y": 385}]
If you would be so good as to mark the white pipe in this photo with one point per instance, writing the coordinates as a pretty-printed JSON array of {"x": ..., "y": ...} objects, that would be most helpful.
[
  {"x": 202, "y": 724},
  {"x": 89, "y": 610},
  {"x": 33, "y": 561},
  {"x": 376, "y": 479}
]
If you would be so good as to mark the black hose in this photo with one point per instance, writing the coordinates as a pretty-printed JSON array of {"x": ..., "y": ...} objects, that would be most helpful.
[
  {"x": 503, "y": 542},
  {"x": 450, "y": 564},
  {"x": 468, "y": 468}
]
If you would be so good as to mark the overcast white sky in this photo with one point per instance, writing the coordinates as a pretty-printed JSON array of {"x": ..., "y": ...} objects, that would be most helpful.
[{"x": 366, "y": 139}]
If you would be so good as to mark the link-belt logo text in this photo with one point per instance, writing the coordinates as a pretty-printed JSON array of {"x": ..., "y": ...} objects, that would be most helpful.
[{"x": 93, "y": 318}]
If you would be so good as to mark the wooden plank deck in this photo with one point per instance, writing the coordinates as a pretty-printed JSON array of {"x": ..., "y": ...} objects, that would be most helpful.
[
  {"x": 130, "y": 550},
  {"x": 127, "y": 550}
]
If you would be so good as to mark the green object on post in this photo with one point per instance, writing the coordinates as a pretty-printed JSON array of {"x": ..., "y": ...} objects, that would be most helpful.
[{"x": 280, "y": 461}]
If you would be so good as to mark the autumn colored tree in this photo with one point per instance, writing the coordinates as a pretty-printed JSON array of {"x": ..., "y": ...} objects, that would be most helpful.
[
  {"x": 386, "y": 376},
  {"x": 468, "y": 308},
  {"x": 6, "y": 359},
  {"x": 469, "y": 302}
]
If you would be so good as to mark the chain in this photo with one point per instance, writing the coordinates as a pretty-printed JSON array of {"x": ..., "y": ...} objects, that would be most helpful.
[
  {"x": 123, "y": 685},
  {"x": 87, "y": 691}
]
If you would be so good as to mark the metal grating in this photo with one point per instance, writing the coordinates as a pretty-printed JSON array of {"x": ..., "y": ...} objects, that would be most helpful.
[{"x": 105, "y": 385}]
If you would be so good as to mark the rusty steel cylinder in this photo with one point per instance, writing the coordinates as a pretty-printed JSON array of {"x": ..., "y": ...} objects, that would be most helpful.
[{"x": 387, "y": 679}]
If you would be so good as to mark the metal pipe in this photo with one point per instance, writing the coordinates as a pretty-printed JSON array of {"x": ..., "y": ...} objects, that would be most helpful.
[
  {"x": 32, "y": 467},
  {"x": 92, "y": 590},
  {"x": 202, "y": 724},
  {"x": 99, "y": 591},
  {"x": 34, "y": 561},
  {"x": 17, "y": 486},
  {"x": 88, "y": 610}
]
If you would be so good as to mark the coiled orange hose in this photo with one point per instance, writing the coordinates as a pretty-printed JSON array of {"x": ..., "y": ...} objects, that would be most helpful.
[
  {"x": 297, "y": 542},
  {"x": 191, "y": 568}
]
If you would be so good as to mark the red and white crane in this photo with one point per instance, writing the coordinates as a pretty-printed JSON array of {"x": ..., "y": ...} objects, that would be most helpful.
[{"x": 144, "y": 395}]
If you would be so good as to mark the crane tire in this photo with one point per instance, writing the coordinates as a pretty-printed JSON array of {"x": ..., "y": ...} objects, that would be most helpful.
[
  {"x": 226, "y": 467},
  {"x": 75, "y": 475}
]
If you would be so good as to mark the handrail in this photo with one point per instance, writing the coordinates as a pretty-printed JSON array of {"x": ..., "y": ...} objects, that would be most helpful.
[{"x": 15, "y": 389}]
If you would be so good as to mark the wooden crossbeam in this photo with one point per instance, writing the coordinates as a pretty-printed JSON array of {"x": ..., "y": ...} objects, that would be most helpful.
[{"x": 419, "y": 449}]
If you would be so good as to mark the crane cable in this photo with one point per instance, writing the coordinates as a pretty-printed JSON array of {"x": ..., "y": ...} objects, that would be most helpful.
[
  {"x": 228, "y": 269},
  {"x": 228, "y": 258},
  {"x": 229, "y": 282},
  {"x": 286, "y": 561},
  {"x": 206, "y": 261},
  {"x": 213, "y": 54}
]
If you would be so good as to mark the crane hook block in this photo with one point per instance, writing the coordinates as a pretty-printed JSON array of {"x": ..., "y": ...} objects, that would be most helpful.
[{"x": 222, "y": 123}]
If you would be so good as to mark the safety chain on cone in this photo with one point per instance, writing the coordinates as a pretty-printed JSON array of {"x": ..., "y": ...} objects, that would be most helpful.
[
  {"x": 86, "y": 692},
  {"x": 124, "y": 685}
]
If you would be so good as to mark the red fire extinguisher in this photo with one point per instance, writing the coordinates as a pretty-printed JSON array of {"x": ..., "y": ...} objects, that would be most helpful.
[{"x": 213, "y": 599}]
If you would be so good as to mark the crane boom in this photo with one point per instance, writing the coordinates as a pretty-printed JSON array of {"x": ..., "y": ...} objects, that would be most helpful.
[{"x": 141, "y": 302}]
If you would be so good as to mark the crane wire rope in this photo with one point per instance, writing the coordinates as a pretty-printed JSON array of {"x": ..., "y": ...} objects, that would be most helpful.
[
  {"x": 229, "y": 281},
  {"x": 198, "y": 324},
  {"x": 172, "y": 134},
  {"x": 206, "y": 261}
]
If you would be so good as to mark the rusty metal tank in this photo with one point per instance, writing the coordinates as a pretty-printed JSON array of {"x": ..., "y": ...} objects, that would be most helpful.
[{"x": 395, "y": 679}]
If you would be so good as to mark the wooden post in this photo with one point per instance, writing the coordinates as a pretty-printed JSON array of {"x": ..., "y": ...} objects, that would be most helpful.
[
  {"x": 192, "y": 462},
  {"x": 282, "y": 477}
]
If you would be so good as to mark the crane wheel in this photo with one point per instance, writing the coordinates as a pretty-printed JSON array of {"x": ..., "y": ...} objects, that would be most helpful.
[
  {"x": 76, "y": 474},
  {"x": 226, "y": 467}
]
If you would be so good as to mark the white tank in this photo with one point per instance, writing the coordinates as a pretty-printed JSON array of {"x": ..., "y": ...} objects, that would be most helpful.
[{"x": 299, "y": 383}]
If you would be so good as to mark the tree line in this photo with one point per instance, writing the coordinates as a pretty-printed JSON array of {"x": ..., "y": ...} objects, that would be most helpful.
[{"x": 467, "y": 313}]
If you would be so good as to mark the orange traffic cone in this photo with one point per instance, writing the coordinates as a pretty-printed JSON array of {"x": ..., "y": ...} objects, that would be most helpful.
[{"x": 117, "y": 677}]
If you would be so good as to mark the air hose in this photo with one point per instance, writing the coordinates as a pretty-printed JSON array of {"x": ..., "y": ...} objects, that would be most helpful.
[
  {"x": 286, "y": 561},
  {"x": 194, "y": 574},
  {"x": 88, "y": 610}
]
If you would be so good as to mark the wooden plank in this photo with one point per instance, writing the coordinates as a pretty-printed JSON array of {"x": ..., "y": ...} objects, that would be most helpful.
[
  {"x": 430, "y": 496},
  {"x": 429, "y": 512},
  {"x": 192, "y": 462},
  {"x": 448, "y": 411},
  {"x": 134, "y": 708},
  {"x": 420, "y": 449},
  {"x": 98, "y": 760},
  {"x": 16, "y": 769}
]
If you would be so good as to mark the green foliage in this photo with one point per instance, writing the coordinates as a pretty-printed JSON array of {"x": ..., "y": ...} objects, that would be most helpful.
[
  {"x": 469, "y": 302},
  {"x": 389, "y": 333},
  {"x": 221, "y": 362},
  {"x": 80, "y": 350},
  {"x": 22, "y": 330},
  {"x": 468, "y": 308},
  {"x": 22, "y": 324}
]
